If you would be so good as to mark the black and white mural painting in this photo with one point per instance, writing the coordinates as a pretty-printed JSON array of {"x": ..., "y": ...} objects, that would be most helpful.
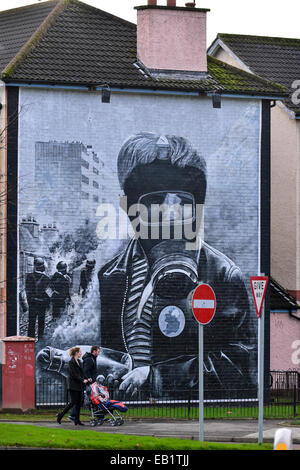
[{"x": 120, "y": 219}]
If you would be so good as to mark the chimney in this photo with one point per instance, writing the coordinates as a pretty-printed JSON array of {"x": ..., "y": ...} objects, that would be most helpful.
[{"x": 172, "y": 38}]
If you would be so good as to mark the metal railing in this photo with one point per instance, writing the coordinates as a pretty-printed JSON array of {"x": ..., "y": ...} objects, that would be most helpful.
[
  {"x": 282, "y": 400},
  {"x": 283, "y": 382},
  {"x": 50, "y": 393},
  {"x": 285, "y": 391}
]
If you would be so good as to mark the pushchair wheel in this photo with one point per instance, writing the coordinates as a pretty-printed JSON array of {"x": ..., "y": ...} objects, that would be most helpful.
[
  {"x": 100, "y": 421},
  {"x": 120, "y": 421},
  {"x": 93, "y": 422},
  {"x": 113, "y": 423}
]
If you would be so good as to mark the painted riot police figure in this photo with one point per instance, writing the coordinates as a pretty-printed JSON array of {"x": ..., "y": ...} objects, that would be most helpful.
[
  {"x": 61, "y": 284},
  {"x": 86, "y": 276},
  {"x": 38, "y": 300},
  {"x": 144, "y": 289}
]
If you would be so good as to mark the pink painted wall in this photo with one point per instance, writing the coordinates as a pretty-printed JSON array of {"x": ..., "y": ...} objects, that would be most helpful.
[
  {"x": 171, "y": 39},
  {"x": 285, "y": 342}
]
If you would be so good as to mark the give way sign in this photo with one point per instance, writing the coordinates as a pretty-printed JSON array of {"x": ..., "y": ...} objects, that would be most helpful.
[
  {"x": 259, "y": 286},
  {"x": 203, "y": 303}
]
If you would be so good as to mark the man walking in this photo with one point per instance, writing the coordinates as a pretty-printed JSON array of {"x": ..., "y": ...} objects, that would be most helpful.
[{"x": 90, "y": 363}]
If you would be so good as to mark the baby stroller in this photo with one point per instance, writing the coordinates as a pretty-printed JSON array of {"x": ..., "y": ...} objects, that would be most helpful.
[{"x": 100, "y": 405}]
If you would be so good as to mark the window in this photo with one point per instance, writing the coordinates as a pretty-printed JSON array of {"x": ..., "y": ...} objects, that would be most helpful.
[
  {"x": 85, "y": 164},
  {"x": 95, "y": 158},
  {"x": 84, "y": 195}
]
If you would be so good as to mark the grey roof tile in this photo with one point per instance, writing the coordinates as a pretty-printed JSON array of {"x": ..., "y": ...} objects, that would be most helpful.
[
  {"x": 276, "y": 59},
  {"x": 82, "y": 45},
  {"x": 18, "y": 25}
]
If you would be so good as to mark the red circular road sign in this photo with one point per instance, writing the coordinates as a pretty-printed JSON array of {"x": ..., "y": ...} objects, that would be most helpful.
[{"x": 204, "y": 303}]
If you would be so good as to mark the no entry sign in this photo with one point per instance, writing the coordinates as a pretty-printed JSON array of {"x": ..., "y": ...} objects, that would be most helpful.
[{"x": 203, "y": 303}]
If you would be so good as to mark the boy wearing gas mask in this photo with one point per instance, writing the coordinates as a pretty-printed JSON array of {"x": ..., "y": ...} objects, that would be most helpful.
[{"x": 144, "y": 289}]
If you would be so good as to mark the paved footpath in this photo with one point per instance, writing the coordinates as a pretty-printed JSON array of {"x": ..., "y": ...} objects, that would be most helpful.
[{"x": 214, "y": 430}]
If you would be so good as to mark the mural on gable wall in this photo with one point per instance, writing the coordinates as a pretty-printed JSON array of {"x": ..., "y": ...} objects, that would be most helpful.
[{"x": 111, "y": 244}]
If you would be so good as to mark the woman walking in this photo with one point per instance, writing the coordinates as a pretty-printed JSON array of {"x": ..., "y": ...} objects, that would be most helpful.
[{"x": 76, "y": 382}]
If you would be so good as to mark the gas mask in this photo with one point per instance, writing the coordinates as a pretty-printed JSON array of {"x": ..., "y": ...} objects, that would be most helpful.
[{"x": 172, "y": 221}]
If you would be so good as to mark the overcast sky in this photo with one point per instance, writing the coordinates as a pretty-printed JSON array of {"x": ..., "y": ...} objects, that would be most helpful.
[{"x": 262, "y": 17}]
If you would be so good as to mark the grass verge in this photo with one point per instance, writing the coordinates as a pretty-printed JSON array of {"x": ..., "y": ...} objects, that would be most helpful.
[
  {"x": 279, "y": 412},
  {"x": 17, "y": 435}
]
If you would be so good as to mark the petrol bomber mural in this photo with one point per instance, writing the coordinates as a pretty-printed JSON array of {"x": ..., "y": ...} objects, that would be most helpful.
[{"x": 116, "y": 271}]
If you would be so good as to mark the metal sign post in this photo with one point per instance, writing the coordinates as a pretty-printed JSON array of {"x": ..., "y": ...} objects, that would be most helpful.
[
  {"x": 259, "y": 287},
  {"x": 202, "y": 302},
  {"x": 261, "y": 334},
  {"x": 201, "y": 380}
]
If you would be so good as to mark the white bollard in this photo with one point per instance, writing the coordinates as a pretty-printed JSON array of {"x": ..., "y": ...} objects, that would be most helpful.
[{"x": 283, "y": 439}]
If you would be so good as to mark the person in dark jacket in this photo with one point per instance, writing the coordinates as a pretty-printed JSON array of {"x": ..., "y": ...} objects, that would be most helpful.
[
  {"x": 90, "y": 371},
  {"x": 76, "y": 383},
  {"x": 90, "y": 363},
  {"x": 38, "y": 300}
]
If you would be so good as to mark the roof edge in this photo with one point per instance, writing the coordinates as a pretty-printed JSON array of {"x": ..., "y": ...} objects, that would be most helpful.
[
  {"x": 155, "y": 88},
  {"x": 24, "y": 7},
  {"x": 34, "y": 39},
  {"x": 282, "y": 90},
  {"x": 220, "y": 44},
  {"x": 111, "y": 15},
  {"x": 213, "y": 45},
  {"x": 290, "y": 299},
  {"x": 254, "y": 36}
]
